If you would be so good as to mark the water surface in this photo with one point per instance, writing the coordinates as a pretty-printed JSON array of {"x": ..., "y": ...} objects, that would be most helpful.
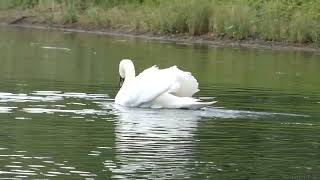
[{"x": 58, "y": 119}]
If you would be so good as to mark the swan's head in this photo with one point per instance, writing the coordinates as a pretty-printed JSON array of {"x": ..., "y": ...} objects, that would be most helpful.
[{"x": 126, "y": 70}]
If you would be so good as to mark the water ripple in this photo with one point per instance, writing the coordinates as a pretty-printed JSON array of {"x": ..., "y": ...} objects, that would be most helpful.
[
  {"x": 107, "y": 106},
  {"x": 36, "y": 166},
  {"x": 6, "y": 109},
  {"x": 51, "y": 111},
  {"x": 161, "y": 141}
]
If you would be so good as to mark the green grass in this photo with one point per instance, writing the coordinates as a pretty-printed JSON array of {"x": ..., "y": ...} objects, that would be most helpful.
[{"x": 296, "y": 21}]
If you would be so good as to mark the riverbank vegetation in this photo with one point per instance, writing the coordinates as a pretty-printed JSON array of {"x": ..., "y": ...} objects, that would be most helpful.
[{"x": 296, "y": 21}]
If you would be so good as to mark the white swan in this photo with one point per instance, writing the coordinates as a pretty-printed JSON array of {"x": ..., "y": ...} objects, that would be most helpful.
[{"x": 157, "y": 88}]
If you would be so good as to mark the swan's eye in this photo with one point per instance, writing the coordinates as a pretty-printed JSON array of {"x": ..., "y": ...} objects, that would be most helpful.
[{"x": 121, "y": 80}]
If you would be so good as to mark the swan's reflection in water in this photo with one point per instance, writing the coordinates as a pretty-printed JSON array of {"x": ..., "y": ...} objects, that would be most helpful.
[
  {"x": 154, "y": 143},
  {"x": 161, "y": 143}
]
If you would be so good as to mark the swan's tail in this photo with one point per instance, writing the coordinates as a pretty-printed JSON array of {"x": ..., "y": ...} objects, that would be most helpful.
[
  {"x": 170, "y": 101},
  {"x": 198, "y": 105}
]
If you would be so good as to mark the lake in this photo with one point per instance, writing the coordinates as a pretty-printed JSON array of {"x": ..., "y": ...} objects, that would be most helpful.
[{"x": 58, "y": 119}]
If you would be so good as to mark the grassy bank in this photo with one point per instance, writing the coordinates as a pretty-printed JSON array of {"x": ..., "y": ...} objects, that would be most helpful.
[{"x": 296, "y": 21}]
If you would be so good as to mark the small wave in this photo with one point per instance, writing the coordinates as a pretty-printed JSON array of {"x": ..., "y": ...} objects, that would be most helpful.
[{"x": 56, "y": 48}]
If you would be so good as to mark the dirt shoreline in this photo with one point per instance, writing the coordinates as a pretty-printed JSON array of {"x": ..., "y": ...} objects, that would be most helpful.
[{"x": 174, "y": 38}]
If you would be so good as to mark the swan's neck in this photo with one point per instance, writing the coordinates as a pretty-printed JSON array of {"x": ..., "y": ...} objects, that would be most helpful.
[{"x": 130, "y": 74}]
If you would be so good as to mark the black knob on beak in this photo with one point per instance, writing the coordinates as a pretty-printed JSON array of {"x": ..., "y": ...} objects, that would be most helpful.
[{"x": 121, "y": 80}]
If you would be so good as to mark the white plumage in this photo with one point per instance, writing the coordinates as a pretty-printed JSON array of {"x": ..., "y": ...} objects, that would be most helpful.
[{"x": 157, "y": 88}]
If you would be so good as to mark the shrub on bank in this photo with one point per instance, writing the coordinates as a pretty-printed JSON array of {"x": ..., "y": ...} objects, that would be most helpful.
[{"x": 272, "y": 20}]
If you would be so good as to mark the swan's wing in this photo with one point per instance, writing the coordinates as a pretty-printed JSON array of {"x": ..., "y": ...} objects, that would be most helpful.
[
  {"x": 186, "y": 84},
  {"x": 153, "y": 82},
  {"x": 149, "y": 85}
]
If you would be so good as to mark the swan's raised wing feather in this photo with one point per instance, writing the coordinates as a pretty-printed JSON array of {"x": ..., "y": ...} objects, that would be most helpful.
[
  {"x": 187, "y": 85},
  {"x": 153, "y": 82},
  {"x": 147, "y": 86}
]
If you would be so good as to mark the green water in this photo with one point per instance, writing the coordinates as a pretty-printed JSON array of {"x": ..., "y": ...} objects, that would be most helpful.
[{"x": 58, "y": 119}]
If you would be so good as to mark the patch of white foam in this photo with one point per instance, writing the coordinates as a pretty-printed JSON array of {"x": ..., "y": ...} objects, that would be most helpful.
[
  {"x": 21, "y": 151},
  {"x": 56, "y": 173},
  {"x": 48, "y": 96},
  {"x": 67, "y": 167},
  {"x": 70, "y": 95},
  {"x": 22, "y": 118},
  {"x": 9, "y": 97},
  {"x": 104, "y": 147},
  {"x": 6, "y": 109},
  {"x": 51, "y": 111},
  {"x": 301, "y": 124},
  {"x": 11, "y": 155},
  {"x": 36, "y": 166},
  {"x": 80, "y": 172},
  {"x": 93, "y": 154},
  {"x": 13, "y": 166},
  {"x": 56, "y": 48}
]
